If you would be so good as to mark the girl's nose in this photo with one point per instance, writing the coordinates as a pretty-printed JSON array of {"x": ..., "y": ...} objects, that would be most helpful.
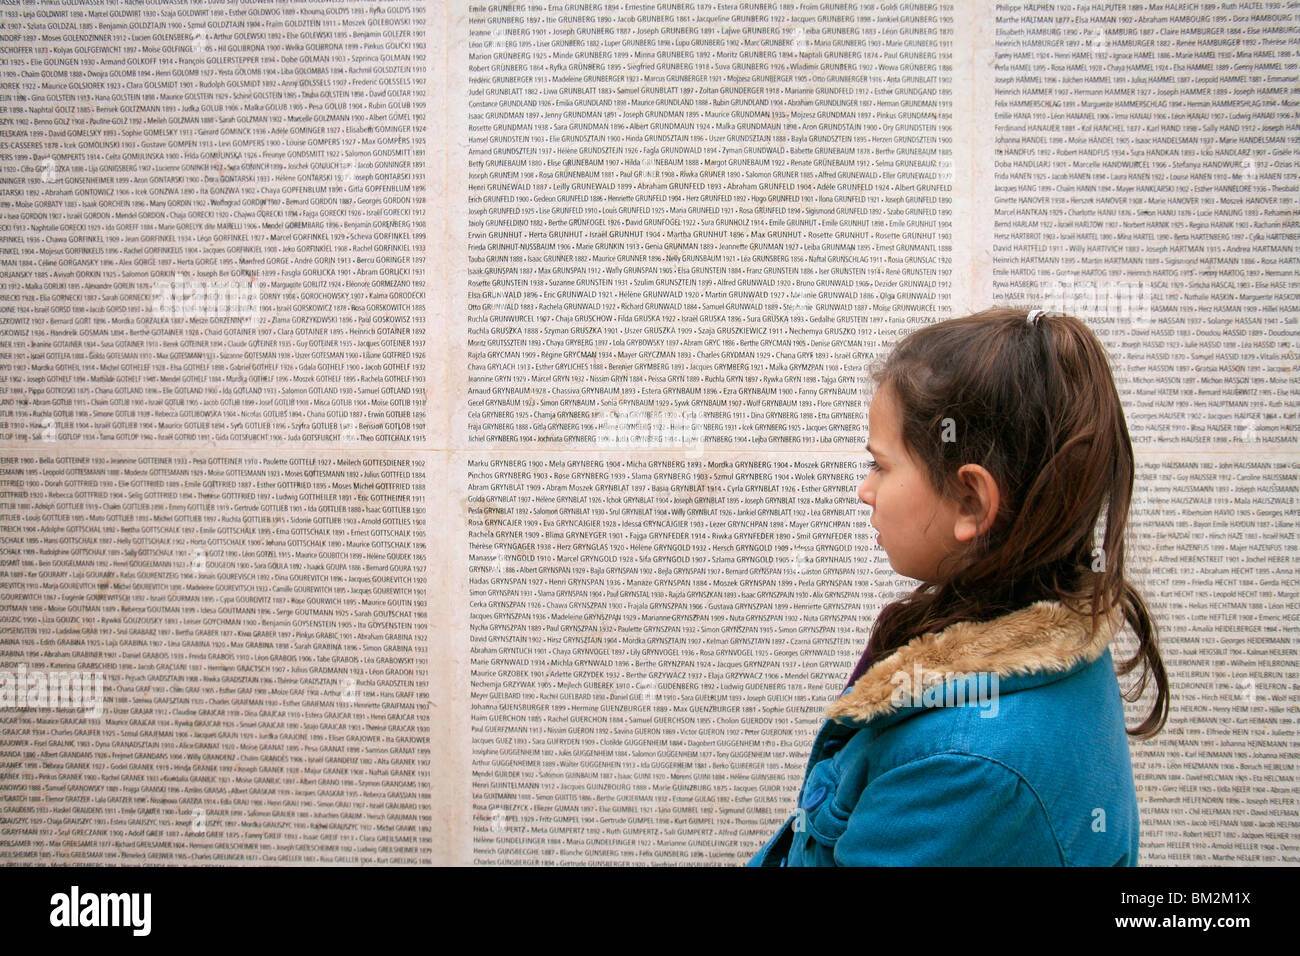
[{"x": 864, "y": 493}]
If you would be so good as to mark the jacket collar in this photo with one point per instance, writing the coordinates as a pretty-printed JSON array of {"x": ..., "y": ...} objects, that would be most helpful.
[{"x": 1045, "y": 638}]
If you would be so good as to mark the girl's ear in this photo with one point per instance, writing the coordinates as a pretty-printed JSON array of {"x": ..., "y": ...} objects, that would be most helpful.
[{"x": 978, "y": 506}]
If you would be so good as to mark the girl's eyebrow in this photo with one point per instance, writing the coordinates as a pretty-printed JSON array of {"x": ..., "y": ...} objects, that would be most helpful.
[{"x": 873, "y": 451}]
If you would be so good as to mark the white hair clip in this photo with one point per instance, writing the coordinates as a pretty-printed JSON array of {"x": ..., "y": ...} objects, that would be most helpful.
[{"x": 1033, "y": 317}]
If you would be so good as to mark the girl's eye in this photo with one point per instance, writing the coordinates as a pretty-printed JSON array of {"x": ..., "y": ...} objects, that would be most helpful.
[{"x": 871, "y": 465}]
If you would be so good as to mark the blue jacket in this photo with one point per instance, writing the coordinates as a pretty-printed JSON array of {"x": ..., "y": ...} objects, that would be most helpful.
[{"x": 995, "y": 743}]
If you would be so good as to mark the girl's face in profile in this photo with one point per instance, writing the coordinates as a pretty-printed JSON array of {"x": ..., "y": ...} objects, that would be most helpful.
[{"x": 915, "y": 523}]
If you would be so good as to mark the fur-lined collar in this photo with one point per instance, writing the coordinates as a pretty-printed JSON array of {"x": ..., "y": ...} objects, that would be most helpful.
[{"x": 1046, "y": 636}]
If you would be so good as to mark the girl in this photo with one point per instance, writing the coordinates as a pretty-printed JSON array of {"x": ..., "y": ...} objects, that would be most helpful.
[{"x": 983, "y": 724}]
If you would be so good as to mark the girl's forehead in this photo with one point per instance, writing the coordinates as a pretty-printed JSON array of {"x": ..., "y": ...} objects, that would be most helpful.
[{"x": 882, "y": 409}]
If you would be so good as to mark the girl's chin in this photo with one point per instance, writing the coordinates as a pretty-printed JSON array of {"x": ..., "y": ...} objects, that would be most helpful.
[{"x": 905, "y": 573}]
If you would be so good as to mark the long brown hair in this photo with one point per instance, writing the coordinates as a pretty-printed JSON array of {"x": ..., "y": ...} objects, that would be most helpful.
[{"x": 1036, "y": 405}]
